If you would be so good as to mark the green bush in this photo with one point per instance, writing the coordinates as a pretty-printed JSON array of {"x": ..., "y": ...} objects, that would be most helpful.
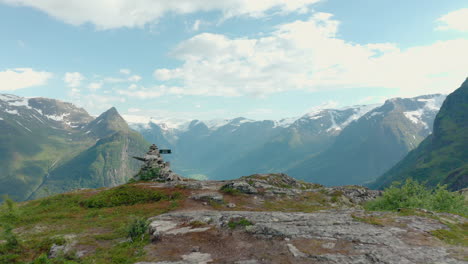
[
  {"x": 8, "y": 208},
  {"x": 42, "y": 259},
  {"x": 149, "y": 175},
  {"x": 11, "y": 240},
  {"x": 412, "y": 194},
  {"x": 124, "y": 195},
  {"x": 137, "y": 229},
  {"x": 229, "y": 190}
]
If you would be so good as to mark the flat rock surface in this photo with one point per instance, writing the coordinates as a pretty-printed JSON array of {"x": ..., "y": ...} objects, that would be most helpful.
[{"x": 332, "y": 236}]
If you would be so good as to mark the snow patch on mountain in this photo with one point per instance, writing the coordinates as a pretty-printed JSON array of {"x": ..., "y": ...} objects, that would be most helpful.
[
  {"x": 58, "y": 118},
  {"x": 432, "y": 103},
  {"x": 12, "y": 112},
  {"x": 415, "y": 117},
  {"x": 359, "y": 111},
  {"x": 216, "y": 123},
  {"x": 376, "y": 113},
  {"x": 285, "y": 122},
  {"x": 14, "y": 101}
]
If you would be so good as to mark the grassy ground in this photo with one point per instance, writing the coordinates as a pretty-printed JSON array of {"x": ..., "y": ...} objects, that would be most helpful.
[{"x": 100, "y": 230}]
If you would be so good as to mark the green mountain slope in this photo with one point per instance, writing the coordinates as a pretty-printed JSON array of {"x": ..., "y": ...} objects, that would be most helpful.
[
  {"x": 33, "y": 141},
  {"x": 107, "y": 163},
  {"x": 46, "y": 144},
  {"x": 443, "y": 156}
]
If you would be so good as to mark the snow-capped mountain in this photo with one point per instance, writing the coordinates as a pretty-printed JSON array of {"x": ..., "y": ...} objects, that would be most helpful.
[
  {"x": 368, "y": 147},
  {"x": 251, "y": 146},
  {"x": 244, "y": 142},
  {"x": 43, "y": 110}
]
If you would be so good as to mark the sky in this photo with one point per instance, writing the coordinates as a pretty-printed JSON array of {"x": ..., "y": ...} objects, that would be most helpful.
[{"x": 211, "y": 59}]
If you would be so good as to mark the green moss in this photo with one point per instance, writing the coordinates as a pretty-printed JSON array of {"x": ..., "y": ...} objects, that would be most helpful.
[
  {"x": 196, "y": 224},
  {"x": 242, "y": 222},
  {"x": 456, "y": 235},
  {"x": 368, "y": 219}
]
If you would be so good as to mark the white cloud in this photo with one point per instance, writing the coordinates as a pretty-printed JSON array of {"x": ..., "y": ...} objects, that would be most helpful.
[
  {"x": 134, "y": 78},
  {"x": 95, "y": 103},
  {"x": 73, "y": 79},
  {"x": 19, "y": 78},
  {"x": 196, "y": 25},
  {"x": 309, "y": 56},
  {"x": 125, "y": 71},
  {"x": 149, "y": 93},
  {"x": 95, "y": 85},
  {"x": 456, "y": 20},
  {"x": 114, "y": 80},
  {"x": 133, "y": 86},
  {"x": 130, "y": 13},
  {"x": 134, "y": 110}
]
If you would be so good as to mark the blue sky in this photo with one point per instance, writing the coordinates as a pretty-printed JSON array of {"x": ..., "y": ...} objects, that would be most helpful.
[{"x": 209, "y": 59}]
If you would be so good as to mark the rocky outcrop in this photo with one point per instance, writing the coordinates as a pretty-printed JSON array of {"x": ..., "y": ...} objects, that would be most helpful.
[
  {"x": 338, "y": 236},
  {"x": 356, "y": 194},
  {"x": 282, "y": 184}
]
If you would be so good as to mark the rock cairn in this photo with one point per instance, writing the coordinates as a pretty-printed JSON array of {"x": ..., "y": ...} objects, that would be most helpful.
[{"x": 153, "y": 161}]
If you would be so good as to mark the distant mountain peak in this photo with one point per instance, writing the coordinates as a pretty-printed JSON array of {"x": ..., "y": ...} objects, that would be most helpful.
[{"x": 107, "y": 124}]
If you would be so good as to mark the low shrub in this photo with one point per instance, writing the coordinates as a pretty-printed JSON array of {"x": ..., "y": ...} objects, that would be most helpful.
[
  {"x": 137, "y": 229},
  {"x": 124, "y": 195},
  {"x": 412, "y": 194},
  {"x": 229, "y": 190}
]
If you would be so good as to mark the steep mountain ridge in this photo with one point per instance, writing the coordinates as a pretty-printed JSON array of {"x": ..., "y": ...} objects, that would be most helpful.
[
  {"x": 443, "y": 156},
  {"x": 40, "y": 137}
]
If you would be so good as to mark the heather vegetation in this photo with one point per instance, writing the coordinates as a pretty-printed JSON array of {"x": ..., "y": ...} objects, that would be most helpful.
[
  {"x": 412, "y": 194},
  {"x": 110, "y": 224}
]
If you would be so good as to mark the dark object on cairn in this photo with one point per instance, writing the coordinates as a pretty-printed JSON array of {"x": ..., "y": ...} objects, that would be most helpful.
[{"x": 155, "y": 168}]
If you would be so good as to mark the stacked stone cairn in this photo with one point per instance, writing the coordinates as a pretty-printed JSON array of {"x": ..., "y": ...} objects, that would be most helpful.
[{"x": 154, "y": 162}]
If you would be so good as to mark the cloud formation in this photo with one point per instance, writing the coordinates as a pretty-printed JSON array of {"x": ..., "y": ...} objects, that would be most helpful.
[
  {"x": 19, "y": 78},
  {"x": 73, "y": 79},
  {"x": 130, "y": 13},
  {"x": 308, "y": 55},
  {"x": 456, "y": 20}
]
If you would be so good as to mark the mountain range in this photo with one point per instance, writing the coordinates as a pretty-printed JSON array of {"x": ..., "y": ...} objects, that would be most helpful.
[
  {"x": 49, "y": 146},
  {"x": 365, "y": 141}
]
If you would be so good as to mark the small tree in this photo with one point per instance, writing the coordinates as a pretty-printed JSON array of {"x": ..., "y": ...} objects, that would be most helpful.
[{"x": 137, "y": 229}]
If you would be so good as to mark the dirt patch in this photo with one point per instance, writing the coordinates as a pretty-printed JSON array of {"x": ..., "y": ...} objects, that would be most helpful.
[
  {"x": 224, "y": 246},
  {"x": 318, "y": 247}
]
